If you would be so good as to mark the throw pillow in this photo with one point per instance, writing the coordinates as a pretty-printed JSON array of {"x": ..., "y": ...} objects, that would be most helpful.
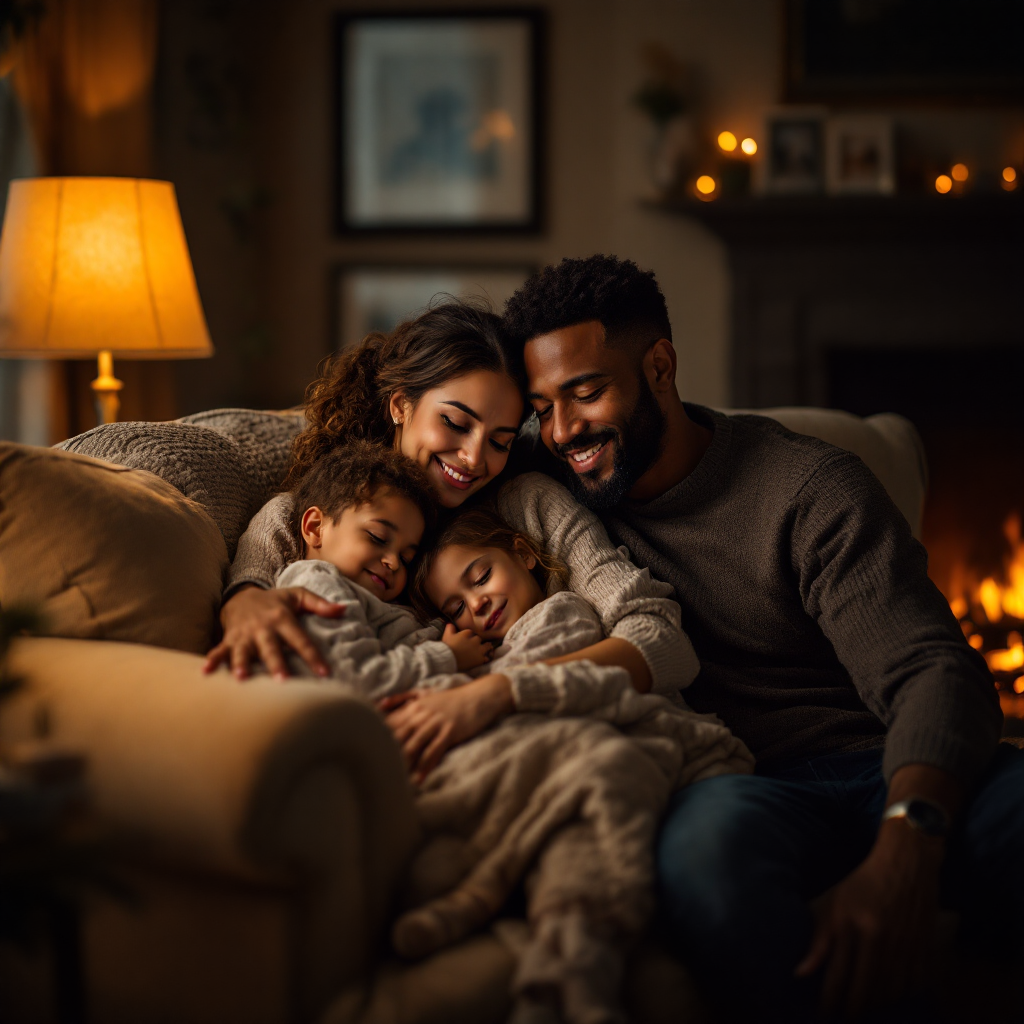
[{"x": 107, "y": 552}]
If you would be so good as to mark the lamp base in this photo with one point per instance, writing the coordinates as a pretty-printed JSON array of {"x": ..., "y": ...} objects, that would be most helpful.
[{"x": 106, "y": 387}]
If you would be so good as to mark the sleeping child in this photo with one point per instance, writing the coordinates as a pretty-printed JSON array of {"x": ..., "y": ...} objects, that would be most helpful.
[
  {"x": 360, "y": 516},
  {"x": 566, "y": 793}
]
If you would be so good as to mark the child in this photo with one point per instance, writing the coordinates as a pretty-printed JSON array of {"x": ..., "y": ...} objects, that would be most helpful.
[
  {"x": 566, "y": 794},
  {"x": 360, "y": 516}
]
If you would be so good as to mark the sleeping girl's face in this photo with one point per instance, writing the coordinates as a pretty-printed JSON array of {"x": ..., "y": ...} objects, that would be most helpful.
[{"x": 486, "y": 590}]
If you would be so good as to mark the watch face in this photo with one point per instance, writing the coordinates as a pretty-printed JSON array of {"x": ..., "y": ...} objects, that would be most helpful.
[{"x": 927, "y": 817}]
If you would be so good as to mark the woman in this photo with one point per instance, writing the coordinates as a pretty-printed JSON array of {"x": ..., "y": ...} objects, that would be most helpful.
[{"x": 446, "y": 390}]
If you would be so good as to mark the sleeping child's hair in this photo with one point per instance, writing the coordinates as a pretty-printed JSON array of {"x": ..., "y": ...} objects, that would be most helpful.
[
  {"x": 352, "y": 474},
  {"x": 482, "y": 528}
]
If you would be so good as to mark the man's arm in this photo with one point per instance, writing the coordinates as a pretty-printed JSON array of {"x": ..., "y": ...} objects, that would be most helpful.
[{"x": 863, "y": 578}]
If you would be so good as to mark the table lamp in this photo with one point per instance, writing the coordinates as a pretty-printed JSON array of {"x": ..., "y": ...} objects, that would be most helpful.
[{"x": 97, "y": 267}]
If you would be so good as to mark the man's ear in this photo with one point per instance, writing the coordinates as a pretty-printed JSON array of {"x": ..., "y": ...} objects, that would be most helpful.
[
  {"x": 312, "y": 526},
  {"x": 660, "y": 365},
  {"x": 525, "y": 553}
]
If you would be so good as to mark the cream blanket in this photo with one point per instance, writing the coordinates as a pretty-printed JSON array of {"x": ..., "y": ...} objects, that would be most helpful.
[{"x": 566, "y": 795}]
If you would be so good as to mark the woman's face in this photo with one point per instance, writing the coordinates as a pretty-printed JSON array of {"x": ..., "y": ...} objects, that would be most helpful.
[{"x": 460, "y": 432}]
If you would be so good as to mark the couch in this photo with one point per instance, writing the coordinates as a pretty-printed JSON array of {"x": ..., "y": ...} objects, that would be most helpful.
[{"x": 263, "y": 828}]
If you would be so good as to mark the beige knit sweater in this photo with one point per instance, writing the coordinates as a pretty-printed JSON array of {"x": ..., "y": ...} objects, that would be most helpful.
[{"x": 629, "y": 603}]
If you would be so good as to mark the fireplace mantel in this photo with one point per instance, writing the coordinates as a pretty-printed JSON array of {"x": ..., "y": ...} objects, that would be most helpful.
[{"x": 816, "y": 273}]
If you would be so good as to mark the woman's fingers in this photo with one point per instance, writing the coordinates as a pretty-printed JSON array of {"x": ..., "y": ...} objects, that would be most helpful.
[
  {"x": 269, "y": 647},
  {"x": 302, "y": 600},
  {"x": 220, "y": 655},
  {"x": 242, "y": 652},
  {"x": 394, "y": 700},
  {"x": 298, "y": 640}
]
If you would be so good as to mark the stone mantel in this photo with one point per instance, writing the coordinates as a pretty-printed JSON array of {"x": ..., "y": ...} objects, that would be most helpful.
[{"x": 814, "y": 273}]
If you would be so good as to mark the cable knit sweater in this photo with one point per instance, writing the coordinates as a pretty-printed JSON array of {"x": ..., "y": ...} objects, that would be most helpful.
[
  {"x": 630, "y": 604},
  {"x": 809, "y": 605}
]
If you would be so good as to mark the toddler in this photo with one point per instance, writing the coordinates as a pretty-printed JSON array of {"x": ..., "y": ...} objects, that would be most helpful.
[{"x": 360, "y": 515}]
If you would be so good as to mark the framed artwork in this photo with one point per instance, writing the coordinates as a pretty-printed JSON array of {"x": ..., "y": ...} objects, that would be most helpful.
[
  {"x": 438, "y": 121},
  {"x": 859, "y": 156},
  {"x": 796, "y": 153},
  {"x": 377, "y": 298},
  {"x": 898, "y": 51}
]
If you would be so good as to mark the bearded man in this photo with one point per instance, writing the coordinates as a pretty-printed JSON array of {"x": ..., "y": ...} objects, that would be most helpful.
[{"x": 823, "y": 645}]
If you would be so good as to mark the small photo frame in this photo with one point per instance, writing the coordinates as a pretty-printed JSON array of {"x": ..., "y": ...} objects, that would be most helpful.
[
  {"x": 378, "y": 298},
  {"x": 796, "y": 153},
  {"x": 859, "y": 156},
  {"x": 438, "y": 123}
]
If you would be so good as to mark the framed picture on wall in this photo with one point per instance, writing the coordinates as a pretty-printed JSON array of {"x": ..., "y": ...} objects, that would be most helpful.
[
  {"x": 859, "y": 156},
  {"x": 377, "y": 298},
  {"x": 796, "y": 153},
  {"x": 438, "y": 121},
  {"x": 898, "y": 51}
]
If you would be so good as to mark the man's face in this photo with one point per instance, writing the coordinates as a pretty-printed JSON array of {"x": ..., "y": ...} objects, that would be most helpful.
[{"x": 597, "y": 413}]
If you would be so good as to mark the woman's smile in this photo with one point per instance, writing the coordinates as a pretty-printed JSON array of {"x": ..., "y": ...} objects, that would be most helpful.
[{"x": 454, "y": 477}]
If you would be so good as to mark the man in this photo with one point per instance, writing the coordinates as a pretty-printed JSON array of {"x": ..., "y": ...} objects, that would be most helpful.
[{"x": 822, "y": 644}]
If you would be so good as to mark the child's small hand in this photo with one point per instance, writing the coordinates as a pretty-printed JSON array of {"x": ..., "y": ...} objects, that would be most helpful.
[{"x": 470, "y": 650}]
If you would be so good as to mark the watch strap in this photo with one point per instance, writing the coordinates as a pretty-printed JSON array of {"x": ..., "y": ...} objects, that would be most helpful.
[{"x": 924, "y": 815}]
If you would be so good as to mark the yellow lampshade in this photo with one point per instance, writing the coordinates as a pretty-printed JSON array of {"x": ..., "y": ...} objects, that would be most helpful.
[{"x": 90, "y": 265}]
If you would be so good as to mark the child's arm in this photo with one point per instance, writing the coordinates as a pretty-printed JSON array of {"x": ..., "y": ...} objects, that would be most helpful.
[{"x": 351, "y": 646}]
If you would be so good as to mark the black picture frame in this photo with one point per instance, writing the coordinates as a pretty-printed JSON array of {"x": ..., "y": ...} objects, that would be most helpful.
[
  {"x": 904, "y": 51},
  {"x": 374, "y": 296},
  {"x": 508, "y": 165}
]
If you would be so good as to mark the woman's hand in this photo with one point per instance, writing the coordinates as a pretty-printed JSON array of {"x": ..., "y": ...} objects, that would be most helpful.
[
  {"x": 256, "y": 622},
  {"x": 470, "y": 650},
  {"x": 427, "y": 723}
]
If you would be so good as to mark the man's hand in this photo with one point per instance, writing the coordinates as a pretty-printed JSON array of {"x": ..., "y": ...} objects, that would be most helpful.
[
  {"x": 470, "y": 650},
  {"x": 428, "y": 723},
  {"x": 256, "y": 622},
  {"x": 874, "y": 929}
]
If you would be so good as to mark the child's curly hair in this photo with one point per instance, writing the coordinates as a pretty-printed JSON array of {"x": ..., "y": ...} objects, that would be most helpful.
[
  {"x": 353, "y": 473},
  {"x": 482, "y": 527}
]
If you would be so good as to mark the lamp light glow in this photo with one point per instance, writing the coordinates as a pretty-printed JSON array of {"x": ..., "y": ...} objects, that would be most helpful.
[
  {"x": 97, "y": 267},
  {"x": 943, "y": 183},
  {"x": 959, "y": 172},
  {"x": 726, "y": 141},
  {"x": 706, "y": 184},
  {"x": 749, "y": 146},
  {"x": 1009, "y": 174}
]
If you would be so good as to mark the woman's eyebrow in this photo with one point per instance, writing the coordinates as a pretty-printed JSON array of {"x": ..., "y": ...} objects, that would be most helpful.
[{"x": 470, "y": 412}]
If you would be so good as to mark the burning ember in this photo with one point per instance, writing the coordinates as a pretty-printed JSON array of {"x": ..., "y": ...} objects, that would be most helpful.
[{"x": 991, "y": 614}]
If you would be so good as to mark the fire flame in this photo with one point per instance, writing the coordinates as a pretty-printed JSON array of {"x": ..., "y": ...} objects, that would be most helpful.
[{"x": 991, "y": 601}]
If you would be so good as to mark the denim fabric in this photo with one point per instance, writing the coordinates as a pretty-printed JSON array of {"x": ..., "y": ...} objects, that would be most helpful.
[{"x": 740, "y": 857}]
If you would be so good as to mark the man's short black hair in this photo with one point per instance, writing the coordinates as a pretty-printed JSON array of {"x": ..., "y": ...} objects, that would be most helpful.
[
  {"x": 623, "y": 298},
  {"x": 353, "y": 473}
]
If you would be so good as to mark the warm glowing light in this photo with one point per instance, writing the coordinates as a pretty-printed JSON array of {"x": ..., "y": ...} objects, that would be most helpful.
[
  {"x": 1009, "y": 174},
  {"x": 990, "y": 595},
  {"x": 727, "y": 141},
  {"x": 1006, "y": 660},
  {"x": 975, "y": 641},
  {"x": 706, "y": 184},
  {"x": 749, "y": 146},
  {"x": 959, "y": 172},
  {"x": 958, "y": 606},
  {"x": 943, "y": 183},
  {"x": 1018, "y": 684}
]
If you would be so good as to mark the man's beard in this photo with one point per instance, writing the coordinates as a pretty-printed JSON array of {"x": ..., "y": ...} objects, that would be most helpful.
[{"x": 636, "y": 449}]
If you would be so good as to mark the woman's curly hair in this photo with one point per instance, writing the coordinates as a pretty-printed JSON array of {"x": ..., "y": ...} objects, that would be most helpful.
[
  {"x": 349, "y": 400},
  {"x": 482, "y": 527}
]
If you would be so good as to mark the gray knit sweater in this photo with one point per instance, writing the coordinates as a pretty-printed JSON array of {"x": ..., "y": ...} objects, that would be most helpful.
[{"x": 809, "y": 606}]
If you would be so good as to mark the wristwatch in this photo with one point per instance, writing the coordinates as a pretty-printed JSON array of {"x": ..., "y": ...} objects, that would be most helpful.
[{"x": 927, "y": 817}]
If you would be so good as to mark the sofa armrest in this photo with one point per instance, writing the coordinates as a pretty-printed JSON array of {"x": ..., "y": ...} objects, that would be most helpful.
[{"x": 261, "y": 780}]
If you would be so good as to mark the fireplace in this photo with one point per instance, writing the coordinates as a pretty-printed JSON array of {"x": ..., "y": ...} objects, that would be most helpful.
[{"x": 909, "y": 305}]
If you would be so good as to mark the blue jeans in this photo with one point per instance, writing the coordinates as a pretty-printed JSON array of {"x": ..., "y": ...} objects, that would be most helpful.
[{"x": 740, "y": 857}]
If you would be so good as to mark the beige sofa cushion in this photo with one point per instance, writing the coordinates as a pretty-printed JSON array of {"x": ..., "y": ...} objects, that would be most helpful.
[{"x": 106, "y": 552}]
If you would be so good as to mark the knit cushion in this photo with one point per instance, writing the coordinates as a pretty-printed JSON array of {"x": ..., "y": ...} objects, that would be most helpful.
[
  {"x": 230, "y": 461},
  {"x": 106, "y": 552}
]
